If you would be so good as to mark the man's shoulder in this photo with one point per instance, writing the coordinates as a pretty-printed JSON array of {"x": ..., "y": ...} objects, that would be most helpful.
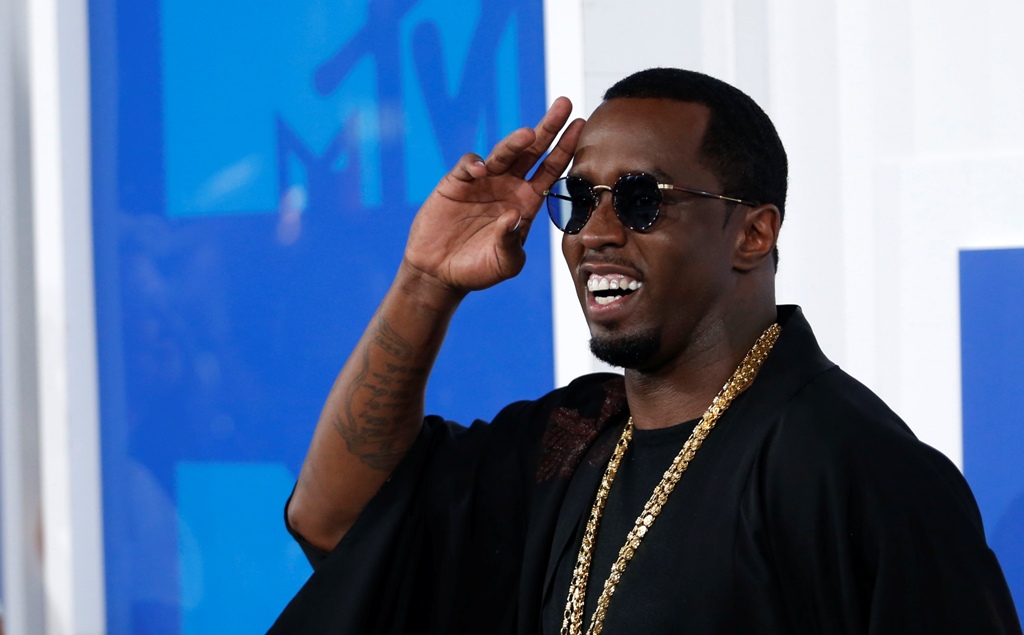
[
  {"x": 587, "y": 403},
  {"x": 836, "y": 427},
  {"x": 836, "y": 417},
  {"x": 587, "y": 395},
  {"x": 816, "y": 400},
  {"x": 594, "y": 391},
  {"x": 836, "y": 400}
]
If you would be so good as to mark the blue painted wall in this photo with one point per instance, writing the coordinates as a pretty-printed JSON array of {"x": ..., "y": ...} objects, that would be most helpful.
[
  {"x": 992, "y": 347},
  {"x": 256, "y": 166}
]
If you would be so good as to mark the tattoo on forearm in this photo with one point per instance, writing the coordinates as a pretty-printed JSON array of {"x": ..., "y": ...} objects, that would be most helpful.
[
  {"x": 377, "y": 401},
  {"x": 387, "y": 339}
]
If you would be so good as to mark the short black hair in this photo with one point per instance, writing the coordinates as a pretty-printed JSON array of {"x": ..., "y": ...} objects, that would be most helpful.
[{"x": 740, "y": 145}]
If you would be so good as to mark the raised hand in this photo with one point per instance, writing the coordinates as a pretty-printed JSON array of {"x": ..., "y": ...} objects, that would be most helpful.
[
  {"x": 470, "y": 232},
  {"x": 468, "y": 235}
]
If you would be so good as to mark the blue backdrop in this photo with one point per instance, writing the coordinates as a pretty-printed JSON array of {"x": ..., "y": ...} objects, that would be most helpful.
[
  {"x": 256, "y": 166},
  {"x": 992, "y": 347}
]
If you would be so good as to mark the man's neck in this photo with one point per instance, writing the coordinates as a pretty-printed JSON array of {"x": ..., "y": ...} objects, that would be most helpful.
[{"x": 682, "y": 389}]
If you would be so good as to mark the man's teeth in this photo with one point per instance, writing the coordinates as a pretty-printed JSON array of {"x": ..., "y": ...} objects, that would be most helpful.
[{"x": 612, "y": 283}]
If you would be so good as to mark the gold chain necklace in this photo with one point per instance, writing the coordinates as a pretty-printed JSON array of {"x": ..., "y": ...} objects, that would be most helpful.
[{"x": 572, "y": 620}]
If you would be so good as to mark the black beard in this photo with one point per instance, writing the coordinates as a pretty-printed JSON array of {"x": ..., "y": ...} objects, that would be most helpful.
[{"x": 628, "y": 351}]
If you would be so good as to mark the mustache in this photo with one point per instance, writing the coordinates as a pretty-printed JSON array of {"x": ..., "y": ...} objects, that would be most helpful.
[{"x": 605, "y": 259}]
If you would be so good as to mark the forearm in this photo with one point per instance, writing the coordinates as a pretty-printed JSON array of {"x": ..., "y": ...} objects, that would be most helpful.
[
  {"x": 375, "y": 409},
  {"x": 468, "y": 235}
]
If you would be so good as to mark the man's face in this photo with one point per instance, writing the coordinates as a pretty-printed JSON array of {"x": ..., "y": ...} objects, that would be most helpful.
[{"x": 680, "y": 268}]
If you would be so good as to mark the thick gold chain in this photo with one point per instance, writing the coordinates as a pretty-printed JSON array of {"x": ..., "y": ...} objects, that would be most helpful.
[{"x": 572, "y": 620}]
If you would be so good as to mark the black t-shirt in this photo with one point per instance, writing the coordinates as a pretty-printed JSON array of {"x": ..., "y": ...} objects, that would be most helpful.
[{"x": 643, "y": 598}]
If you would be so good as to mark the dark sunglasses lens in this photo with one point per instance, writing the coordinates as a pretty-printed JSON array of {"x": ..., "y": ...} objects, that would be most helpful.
[
  {"x": 636, "y": 199},
  {"x": 569, "y": 204}
]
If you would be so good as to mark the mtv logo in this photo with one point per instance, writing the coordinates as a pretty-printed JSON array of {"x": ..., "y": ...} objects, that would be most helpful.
[{"x": 339, "y": 106}]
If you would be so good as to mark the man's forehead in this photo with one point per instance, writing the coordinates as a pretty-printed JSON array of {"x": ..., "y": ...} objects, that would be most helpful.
[
  {"x": 657, "y": 136},
  {"x": 667, "y": 115}
]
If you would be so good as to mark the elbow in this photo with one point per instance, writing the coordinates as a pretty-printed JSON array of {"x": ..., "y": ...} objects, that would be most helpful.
[{"x": 309, "y": 525}]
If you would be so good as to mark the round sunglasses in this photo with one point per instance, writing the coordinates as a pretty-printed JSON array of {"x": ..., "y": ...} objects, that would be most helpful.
[{"x": 636, "y": 199}]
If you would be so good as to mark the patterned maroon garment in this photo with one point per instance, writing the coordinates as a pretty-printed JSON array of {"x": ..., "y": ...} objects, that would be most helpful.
[{"x": 569, "y": 434}]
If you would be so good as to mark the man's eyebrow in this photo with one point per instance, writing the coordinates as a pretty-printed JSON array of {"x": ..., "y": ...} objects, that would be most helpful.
[
  {"x": 661, "y": 175},
  {"x": 573, "y": 172}
]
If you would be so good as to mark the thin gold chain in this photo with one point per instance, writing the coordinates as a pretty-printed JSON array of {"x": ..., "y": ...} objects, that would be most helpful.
[{"x": 572, "y": 620}]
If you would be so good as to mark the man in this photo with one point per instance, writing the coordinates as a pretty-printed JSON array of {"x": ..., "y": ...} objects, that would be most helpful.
[{"x": 734, "y": 481}]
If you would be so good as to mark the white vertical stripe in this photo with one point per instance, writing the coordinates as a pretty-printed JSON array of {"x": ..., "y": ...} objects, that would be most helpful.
[
  {"x": 66, "y": 330},
  {"x": 19, "y": 430},
  {"x": 855, "y": 93},
  {"x": 564, "y": 68}
]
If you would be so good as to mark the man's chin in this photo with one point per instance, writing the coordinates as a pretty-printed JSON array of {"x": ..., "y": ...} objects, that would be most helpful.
[{"x": 625, "y": 351}]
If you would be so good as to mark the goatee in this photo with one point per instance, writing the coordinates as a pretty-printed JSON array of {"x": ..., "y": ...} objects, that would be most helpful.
[{"x": 626, "y": 351}]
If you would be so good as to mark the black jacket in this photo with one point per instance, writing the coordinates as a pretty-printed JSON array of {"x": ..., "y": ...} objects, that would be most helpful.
[{"x": 811, "y": 508}]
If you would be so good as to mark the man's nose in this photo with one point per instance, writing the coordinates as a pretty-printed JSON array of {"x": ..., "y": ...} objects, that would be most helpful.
[{"x": 603, "y": 227}]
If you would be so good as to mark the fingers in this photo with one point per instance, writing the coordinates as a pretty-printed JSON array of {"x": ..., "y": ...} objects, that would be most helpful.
[
  {"x": 469, "y": 167},
  {"x": 546, "y": 132},
  {"x": 558, "y": 159},
  {"x": 507, "y": 152},
  {"x": 518, "y": 152}
]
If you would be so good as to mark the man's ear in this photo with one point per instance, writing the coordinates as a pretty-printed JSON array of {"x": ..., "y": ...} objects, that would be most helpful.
[{"x": 756, "y": 236}]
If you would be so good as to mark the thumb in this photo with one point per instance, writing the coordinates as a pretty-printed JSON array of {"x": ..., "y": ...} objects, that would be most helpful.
[
  {"x": 516, "y": 227},
  {"x": 511, "y": 256}
]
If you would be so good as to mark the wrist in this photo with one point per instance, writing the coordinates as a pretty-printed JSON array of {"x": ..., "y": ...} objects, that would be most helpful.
[{"x": 426, "y": 290}]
